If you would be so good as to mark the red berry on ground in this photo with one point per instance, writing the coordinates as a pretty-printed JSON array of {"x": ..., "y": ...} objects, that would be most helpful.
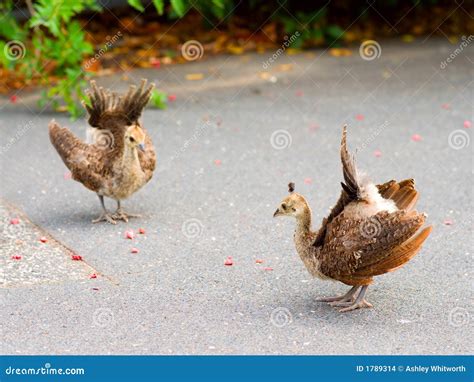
[{"x": 15, "y": 221}]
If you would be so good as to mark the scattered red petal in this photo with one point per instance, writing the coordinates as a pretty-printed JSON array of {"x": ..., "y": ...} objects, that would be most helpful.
[
  {"x": 448, "y": 222},
  {"x": 13, "y": 99},
  {"x": 467, "y": 124},
  {"x": 129, "y": 234},
  {"x": 155, "y": 62},
  {"x": 171, "y": 97},
  {"x": 229, "y": 261},
  {"x": 76, "y": 257},
  {"x": 93, "y": 276},
  {"x": 141, "y": 231},
  {"x": 359, "y": 117},
  {"x": 268, "y": 269},
  {"x": 378, "y": 153},
  {"x": 258, "y": 261},
  {"x": 16, "y": 257},
  {"x": 15, "y": 221},
  {"x": 313, "y": 127},
  {"x": 134, "y": 250},
  {"x": 43, "y": 239},
  {"x": 299, "y": 93},
  {"x": 218, "y": 162},
  {"x": 416, "y": 137},
  {"x": 67, "y": 175},
  {"x": 308, "y": 180},
  {"x": 446, "y": 106}
]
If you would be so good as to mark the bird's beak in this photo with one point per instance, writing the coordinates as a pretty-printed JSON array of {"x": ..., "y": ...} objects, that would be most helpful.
[
  {"x": 277, "y": 212},
  {"x": 141, "y": 146}
]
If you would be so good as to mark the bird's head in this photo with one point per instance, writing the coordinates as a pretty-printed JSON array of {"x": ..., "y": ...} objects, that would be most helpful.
[
  {"x": 293, "y": 205},
  {"x": 135, "y": 136}
]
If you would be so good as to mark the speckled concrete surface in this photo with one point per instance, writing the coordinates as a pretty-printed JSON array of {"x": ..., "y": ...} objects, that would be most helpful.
[
  {"x": 30, "y": 255},
  {"x": 176, "y": 296}
]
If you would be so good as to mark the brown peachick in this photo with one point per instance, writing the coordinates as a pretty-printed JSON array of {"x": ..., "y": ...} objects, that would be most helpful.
[
  {"x": 372, "y": 230},
  {"x": 121, "y": 158}
]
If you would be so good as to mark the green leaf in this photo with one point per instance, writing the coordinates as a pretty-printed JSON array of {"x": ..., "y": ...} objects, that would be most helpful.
[
  {"x": 179, "y": 6},
  {"x": 335, "y": 32},
  {"x": 159, "y": 5},
  {"x": 158, "y": 99},
  {"x": 137, "y": 4}
]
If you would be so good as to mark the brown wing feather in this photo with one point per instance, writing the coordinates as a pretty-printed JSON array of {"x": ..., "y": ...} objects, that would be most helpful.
[
  {"x": 350, "y": 246},
  {"x": 87, "y": 163},
  {"x": 398, "y": 256}
]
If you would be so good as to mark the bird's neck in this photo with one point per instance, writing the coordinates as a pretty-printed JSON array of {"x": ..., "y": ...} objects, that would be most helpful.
[
  {"x": 303, "y": 233},
  {"x": 130, "y": 156}
]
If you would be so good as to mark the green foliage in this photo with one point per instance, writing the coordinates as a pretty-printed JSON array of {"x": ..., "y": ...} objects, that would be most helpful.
[
  {"x": 56, "y": 45},
  {"x": 158, "y": 99},
  {"x": 211, "y": 9},
  {"x": 312, "y": 27},
  {"x": 53, "y": 14}
]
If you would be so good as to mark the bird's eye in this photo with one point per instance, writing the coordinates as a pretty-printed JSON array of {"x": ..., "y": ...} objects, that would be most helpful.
[
  {"x": 283, "y": 206},
  {"x": 131, "y": 139}
]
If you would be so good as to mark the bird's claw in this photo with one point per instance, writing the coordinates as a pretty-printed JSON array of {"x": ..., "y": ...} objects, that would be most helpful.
[
  {"x": 358, "y": 305},
  {"x": 122, "y": 215},
  {"x": 105, "y": 217}
]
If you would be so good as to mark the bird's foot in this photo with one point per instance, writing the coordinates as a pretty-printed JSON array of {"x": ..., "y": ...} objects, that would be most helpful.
[
  {"x": 105, "y": 217},
  {"x": 331, "y": 299},
  {"x": 344, "y": 302},
  {"x": 122, "y": 215},
  {"x": 358, "y": 305}
]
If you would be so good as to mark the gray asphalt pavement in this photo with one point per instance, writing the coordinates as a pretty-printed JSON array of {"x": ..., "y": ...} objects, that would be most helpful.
[{"x": 227, "y": 148}]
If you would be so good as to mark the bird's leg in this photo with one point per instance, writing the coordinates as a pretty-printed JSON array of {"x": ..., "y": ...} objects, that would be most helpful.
[
  {"x": 360, "y": 301},
  {"x": 347, "y": 297},
  {"x": 105, "y": 215},
  {"x": 122, "y": 215}
]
